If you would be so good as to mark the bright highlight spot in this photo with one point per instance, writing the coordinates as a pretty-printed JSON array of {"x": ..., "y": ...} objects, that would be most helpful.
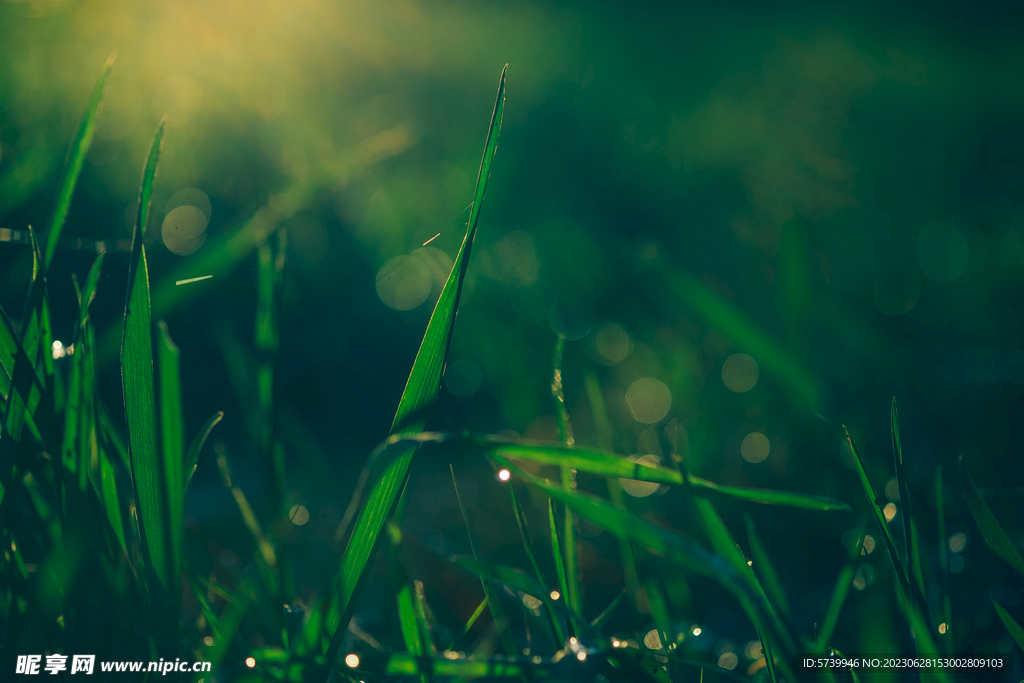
[
  {"x": 615, "y": 643},
  {"x": 572, "y": 640},
  {"x": 649, "y": 400},
  {"x": 250, "y": 662},
  {"x": 739, "y": 373},
  {"x": 352, "y": 661},
  {"x": 641, "y": 489},
  {"x": 555, "y": 595},
  {"x": 755, "y": 447},
  {"x": 184, "y": 230},
  {"x": 581, "y": 655},
  {"x": 889, "y": 511},
  {"x": 612, "y": 344},
  {"x": 208, "y": 641},
  {"x": 869, "y": 545},
  {"x": 504, "y": 475},
  {"x": 299, "y": 515},
  {"x": 531, "y": 602},
  {"x": 957, "y": 542},
  {"x": 652, "y": 640},
  {"x": 58, "y": 349},
  {"x": 943, "y": 628},
  {"x": 696, "y": 630}
]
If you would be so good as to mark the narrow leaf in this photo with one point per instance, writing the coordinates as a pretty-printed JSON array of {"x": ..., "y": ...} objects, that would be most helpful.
[
  {"x": 419, "y": 395},
  {"x": 192, "y": 457},
  {"x": 995, "y": 536},
  {"x": 1011, "y": 625},
  {"x": 172, "y": 432}
]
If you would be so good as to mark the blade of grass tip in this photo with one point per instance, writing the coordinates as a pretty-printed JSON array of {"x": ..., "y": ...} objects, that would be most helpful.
[
  {"x": 876, "y": 507},
  {"x": 469, "y": 623},
  {"x": 842, "y": 588},
  {"x": 490, "y": 590},
  {"x": 995, "y": 536},
  {"x": 556, "y": 627},
  {"x": 556, "y": 552},
  {"x": 73, "y": 166},
  {"x": 605, "y": 442},
  {"x": 141, "y": 416},
  {"x": 940, "y": 513},
  {"x": 911, "y": 550},
  {"x": 172, "y": 433},
  {"x": 420, "y": 392},
  {"x": 574, "y": 597},
  {"x": 192, "y": 457},
  {"x": 764, "y": 567},
  {"x": 1011, "y": 624}
]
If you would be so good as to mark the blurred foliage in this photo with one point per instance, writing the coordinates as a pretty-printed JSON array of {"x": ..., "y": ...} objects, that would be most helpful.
[{"x": 745, "y": 219}]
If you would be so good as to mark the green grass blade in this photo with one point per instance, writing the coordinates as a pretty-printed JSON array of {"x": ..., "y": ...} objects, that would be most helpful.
[
  {"x": 600, "y": 620},
  {"x": 490, "y": 590},
  {"x": 73, "y": 166},
  {"x": 764, "y": 568},
  {"x": 266, "y": 556},
  {"x": 192, "y": 457},
  {"x": 111, "y": 499},
  {"x": 1011, "y": 625},
  {"x": 611, "y": 465},
  {"x": 172, "y": 433},
  {"x": 574, "y": 597},
  {"x": 842, "y": 588},
  {"x": 141, "y": 416},
  {"x": 556, "y": 552},
  {"x": 995, "y": 536},
  {"x": 940, "y": 513},
  {"x": 876, "y": 508},
  {"x": 270, "y": 259},
  {"x": 469, "y": 623},
  {"x": 556, "y": 627},
  {"x": 923, "y": 641},
  {"x": 911, "y": 550},
  {"x": 420, "y": 392}
]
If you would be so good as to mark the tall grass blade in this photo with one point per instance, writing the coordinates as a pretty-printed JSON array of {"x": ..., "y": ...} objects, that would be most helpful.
[
  {"x": 490, "y": 590},
  {"x": 574, "y": 597},
  {"x": 556, "y": 627},
  {"x": 420, "y": 392},
  {"x": 842, "y": 588},
  {"x": 940, "y": 513},
  {"x": 995, "y": 536},
  {"x": 1011, "y": 624},
  {"x": 764, "y": 568},
  {"x": 876, "y": 508},
  {"x": 469, "y": 623},
  {"x": 912, "y": 551},
  {"x": 141, "y": 416},
  {"x": 73, "y": 165},
  {"x": 266, "y": 556},
  {"x": 192, "y": 457},
  {"x": 556, "y": 552},
  {"x": 172, "y": 433}
]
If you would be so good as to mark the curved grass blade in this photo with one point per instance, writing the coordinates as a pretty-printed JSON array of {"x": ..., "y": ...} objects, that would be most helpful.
[
  {"x": 766, "y": 570},
  {"x": 995, "y": 536},
  {"x": 266, "y": 557},
  {"x": 73, "y": 166},
  {"x": 611, "y": 465},
  {"x": 192, "y": 457},
  {"x": 1011, "y": 624},
  {"x": 572, "y": 575},
  {"x": 490, "y": 590},
  {"x": 420, "y": 392},
  {"x": 469, "y": 622}
]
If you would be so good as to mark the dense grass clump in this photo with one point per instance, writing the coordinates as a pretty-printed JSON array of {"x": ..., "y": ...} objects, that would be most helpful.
[{"x": 92, "y": 515}]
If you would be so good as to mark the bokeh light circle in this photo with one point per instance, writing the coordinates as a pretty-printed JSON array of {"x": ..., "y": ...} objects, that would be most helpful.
[
  {"x": 755, "y": 447},
  {"x": 184, "y": 230},
  {"x": 637, "y": 488},
  {"x": 611, "y": 344},
  {"x": 649, "y": 400},
  {"x": 403, "y": 283},
  {"x": 463, "y": 377},
  {"x": 740, "y": 373}
]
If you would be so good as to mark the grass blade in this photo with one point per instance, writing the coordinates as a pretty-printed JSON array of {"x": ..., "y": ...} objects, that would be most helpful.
[
  {"x": 940, "y": 513},
  {"x": 490, "y": 590},
  {"x": 911, "y": 550},
  {"x": 1011, "y": 625},
  {"x": 995, "y": 536},
  {"x": 842, "y": 588},
  {"x": 172, "y": 433},
  {"x": 574, "y": 597},
  {"x": 192, "y": 457},
  {"x": 420, "y": 392},
  {"x": 141, "y": 416},
  {"x": 73, "y": 166},
  {"x": 469, "y": 622},
  {"x": 266, "y": 557},
  {"x": 556, "y": 627},
  {"x": 556, "y": 551},
  {"x": 766, "y": 570},
  {"x": 876, "y": 508},
  {"x": 611, "y": 465}
]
